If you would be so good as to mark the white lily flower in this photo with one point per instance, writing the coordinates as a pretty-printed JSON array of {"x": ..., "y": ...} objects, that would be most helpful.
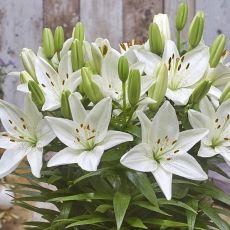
[
  {"x": 54, "y": 83},
  {"x": 109, "y": 82},
  {"x": 87, "y": 136},
  {"x": 162, "y": 21},
  {"x": 6, "y": 198},
  {"x": 26, "y": 135},
  {"x": 163, "y": 150},
  {"x": 183, "y": 72},
  {"x": 218, "y": 123}
]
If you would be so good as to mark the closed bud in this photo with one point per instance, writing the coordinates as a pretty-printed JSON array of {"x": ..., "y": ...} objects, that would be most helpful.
[
  {"x": 36, "y": 94},
  {"x": 90, "y": 88},
  {"x": 134, "y": 87},
  {"x": 77, "y": 55},
  {"x": 181, "y": 16},
  {"x": 48, "y": 43},
  {"x": 216, "y": 50},
  {"x": 123, "y": 68},
  {"x": 79, "y": 32},
  {"x": 28, "y": 60},
  {"x": 65, "y": 108},
  {"x": 97, "y": 58},
  {"x": 158, "y": 90},
  {"x": 226, "y": 93},
  {"x": 25, "y": 77},
  {"x": 200, "y": 92},
  {"x": 196, "y": 29},
  {"x": 59, "y": 38},
  {"x": 155, "y": 39}
]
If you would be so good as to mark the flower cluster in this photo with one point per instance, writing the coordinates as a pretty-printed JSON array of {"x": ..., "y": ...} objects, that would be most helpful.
[{"x": 158, "y": 107}]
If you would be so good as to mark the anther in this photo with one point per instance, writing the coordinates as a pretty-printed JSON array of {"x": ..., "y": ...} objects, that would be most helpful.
[
  {"x": 158, "y": 141},
  {"x": 179, "y": 67},
  {"x": 43, "y": 85},
  {"x": 216, "y": 120},
  {"x": 176, "y": 151},
  {"x": 10, "y": 122},
  {"x": 47, "y": 75},
  {"x": 187, "y": 65},
  {"x": 174, "y": 142}
]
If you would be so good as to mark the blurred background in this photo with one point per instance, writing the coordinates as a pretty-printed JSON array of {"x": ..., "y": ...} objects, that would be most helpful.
[{"x": 21, "y": 23}]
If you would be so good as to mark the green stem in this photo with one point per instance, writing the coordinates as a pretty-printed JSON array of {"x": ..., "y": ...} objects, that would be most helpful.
[
  {"x": 178, "y": 40},
  {"x": 124, "y": 95},
  {"x": 130, "y": 115}
]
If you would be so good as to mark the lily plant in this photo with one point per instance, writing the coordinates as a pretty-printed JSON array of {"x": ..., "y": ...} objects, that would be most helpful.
[
  {"x": 163, "y": 150},
  {"x": 27, "y": 133},
  {"x": 218, "y": 124},
  {"x": 87, "y": 135}
]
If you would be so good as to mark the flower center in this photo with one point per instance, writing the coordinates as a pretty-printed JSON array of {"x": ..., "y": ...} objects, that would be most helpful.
[{"x": 85, "y": 135}]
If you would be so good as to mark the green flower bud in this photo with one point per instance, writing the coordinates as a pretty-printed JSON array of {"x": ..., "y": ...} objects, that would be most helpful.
[
  {"x": 181, "y": 16},
  {"x": 200, "y": 92},
  {"x": 59, "y": 38},
  {"x": 79, "y": 32},
  {"x": 77, "y": 55},
  {"x": 196, "y": 29},
  {"x": 25, "y": 77},
  {"x": 158, "y": 90},
  {"x": 216, "y": 50},
  {"x": 97, "y": 58},
  {"x": 65, "y": 108},
  {"x": 90, "y": 88},
  {"x": 36, "y": 94},
  {"x": 48, "y": 43},
  {"x": 134, "y": 87},
  {"x": 226, "y": 93},
  {"x": 123, "y": 68},
  {"x": 155, "y": 39},
  {"x": 28, "y": 60}
]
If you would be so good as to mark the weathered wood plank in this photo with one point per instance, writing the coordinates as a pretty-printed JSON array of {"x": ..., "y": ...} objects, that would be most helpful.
[
  {"x": 217, "y": 18},
  {"x": 102, "y": 18},
  {"x": 137, "y": 15},
  {"x": 20, "y": 26},
  {"x": 170, "y": 8},
  {"x": 61, "y": 13}
]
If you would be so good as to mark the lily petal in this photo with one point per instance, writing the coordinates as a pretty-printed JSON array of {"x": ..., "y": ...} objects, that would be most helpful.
[
  {"x": 186, "y": 166},
  {"x": 207, "y": 108},
  {"x": 77, "y": 109},
  {"x": 187, "y": 139},
  {"x": 164, "y": 124},
  {"x": 64, "y": 157},
  {"x": 99, "y": 118},
  {"x": 114, "y": 138},
  {"x": 206, "y": 151},
  {"x": 179, "y": 96},
  {"x": 65, "y": 131},
  {"x": 145, "y": 126},
  {"x": 5, "y": 142},
  {"x": 164, "y": 180},
  {"x": 169, "y": 50},
  {"x": 139, "y": 158},
  {"x": 44, "y": 133},
  {"x": 150, "y": 60},
  {"x": 34, "y": 157},
  {"x": 89, "y": 160},
  {"x": 11, "y": 159}
]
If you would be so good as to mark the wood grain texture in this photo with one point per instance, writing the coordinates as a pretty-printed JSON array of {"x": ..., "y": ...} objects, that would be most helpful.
[
  {"x": 20, "y": 26},
  {"x": 102, "y": 18},
  {"x": 61, "y": 13},
  {"x": 170, "y": 8},
  {"x": 137, "y": 15},
  {"x": 217, "y": 18}
]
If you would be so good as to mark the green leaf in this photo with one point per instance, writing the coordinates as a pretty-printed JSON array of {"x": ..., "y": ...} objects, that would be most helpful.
[
  {"x": 177, "y": 203},
  {"x": 165, "y": 223},
  {"x": 103, "y": 208},
  {"x": 136, "y": 222},
  {"x": 83, "y": 197},
  {"x": 191, "y": 216},
  {"x": 214, "y": 192},
  {"x": 142, "y": 183},
  {"x": 120, "y": 204},
  {"x": 89, "y": 221},
  {"x": 212, "y": 214},
  {"x": 135, "y": 130},
  {"x": 150, "y": 207}
]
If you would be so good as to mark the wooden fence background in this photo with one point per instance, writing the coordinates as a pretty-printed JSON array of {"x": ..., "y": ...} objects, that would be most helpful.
[{"x": 21, "y": 23}]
